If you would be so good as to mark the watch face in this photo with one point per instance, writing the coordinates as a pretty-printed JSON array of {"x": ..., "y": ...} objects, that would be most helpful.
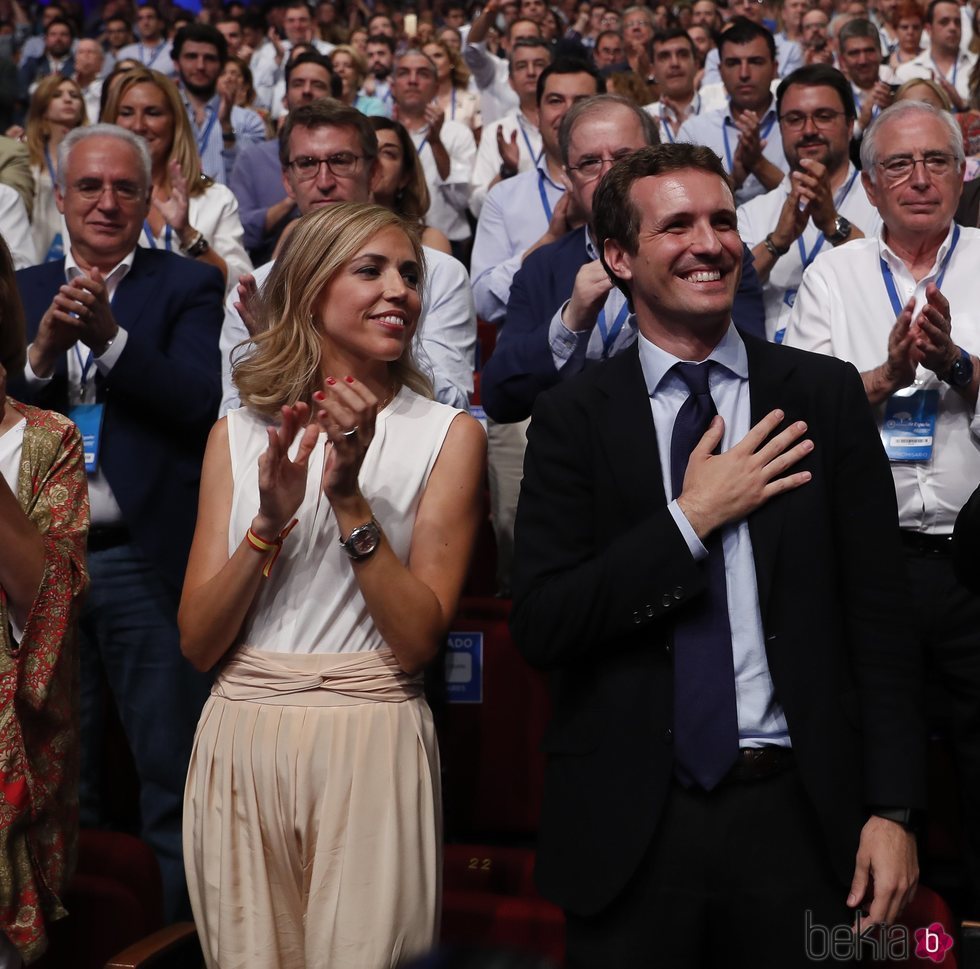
[{"x": 364, "y": 540}]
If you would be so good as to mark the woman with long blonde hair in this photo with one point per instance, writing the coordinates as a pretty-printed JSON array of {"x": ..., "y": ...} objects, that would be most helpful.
[
  {"x": 350, "y": 65},
  {"x": 339, "y": 507},
  {"x": 191, "y": 214},
  {"x": 57, "y": 107},
  {"x": 456, "y": 100}
]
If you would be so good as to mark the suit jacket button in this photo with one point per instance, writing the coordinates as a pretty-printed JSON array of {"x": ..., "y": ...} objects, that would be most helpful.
[
  {"x": 649, "y": 612},
  {"x": 668, "y": 735},
  {"x": 679, "y": 593},
  {"x": 667, "y": 601},
  {"x": 637, "y": 617},
  {"x": 667, "y": 648}
]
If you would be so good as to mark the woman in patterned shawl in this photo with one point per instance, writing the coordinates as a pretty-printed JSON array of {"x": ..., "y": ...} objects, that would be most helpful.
[{"x": 43, "y": 527}]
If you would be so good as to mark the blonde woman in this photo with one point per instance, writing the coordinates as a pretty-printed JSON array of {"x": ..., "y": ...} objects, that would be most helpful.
[
  {"x": 339, "y": 508},
  {"x": 456, "y": 100},
  {"x": 191, "y": 214},
  {"x": 57, "y": 107}
]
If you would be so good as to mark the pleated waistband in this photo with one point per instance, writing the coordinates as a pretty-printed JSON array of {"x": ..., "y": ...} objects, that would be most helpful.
[{"x": 319, "y": 679}]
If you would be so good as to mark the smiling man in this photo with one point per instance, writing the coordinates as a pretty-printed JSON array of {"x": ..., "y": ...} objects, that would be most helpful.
[
  {"x": 820, "y": 204},
  {"x": 902, "y": 307},
  {"x": 706, "y": 761}
]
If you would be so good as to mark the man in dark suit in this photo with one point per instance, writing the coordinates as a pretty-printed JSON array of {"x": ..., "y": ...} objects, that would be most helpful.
[
  {"x": 736, "y": 746},
  {"x": 57, "y": 58},
  {"x": 125, "y": 341}
]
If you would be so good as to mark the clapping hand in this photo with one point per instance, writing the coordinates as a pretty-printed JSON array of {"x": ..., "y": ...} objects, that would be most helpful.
[{"x": 174, "y": 206}]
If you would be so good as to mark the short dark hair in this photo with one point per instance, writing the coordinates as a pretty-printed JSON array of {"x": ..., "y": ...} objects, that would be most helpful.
[
  {"x": 389, "y": 42},
  {"x": 608, "y": 33},
  {"x": 614, "y": 216},
  {"x": 328, "y": 113},
  {"x": 61, "y": 22},
  {"x": 674, "y": 33},
  {"x": 859, "y": 28},
  {"x": 570, "y": 65},
  {"x": 200, "y": 34},
  {"x": 818, "y": 75},
  {"x": 527, "y": 42},
  {"x": 598, "y": 104},
  {"x": 744, "y": 31},
  {"x": 931, "y": 9},
  {"x": 308, "y": 57}
]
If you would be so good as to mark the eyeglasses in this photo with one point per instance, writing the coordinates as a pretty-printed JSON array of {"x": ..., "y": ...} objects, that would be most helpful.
[
  {"x": 341, "y": 165},
  {"x": 821, "y": 118},
  {"x": 630, "y": 24},
  {"x": 91, "y": 190},
  {"x": 897, "y": 168},
  {"x": 590, "y": 168}
]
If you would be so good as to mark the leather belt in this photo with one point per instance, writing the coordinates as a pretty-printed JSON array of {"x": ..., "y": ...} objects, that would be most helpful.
[
  {"x": 758, "y": 763},
  {"x": 102, "y": 537},
  {"x": 924, "y": 544}
]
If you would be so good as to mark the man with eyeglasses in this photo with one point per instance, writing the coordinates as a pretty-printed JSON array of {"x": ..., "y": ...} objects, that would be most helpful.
[
  {"x": 256, "y": 179},
  {"x": 638, "y": 33},
  {"x": 902, "y": 307},
  {"x": 328, "y": 153},
  {"x": 741, "y": 133},
  {"x": 820, "y": 203},
  {"x": 124, "y": 340}
]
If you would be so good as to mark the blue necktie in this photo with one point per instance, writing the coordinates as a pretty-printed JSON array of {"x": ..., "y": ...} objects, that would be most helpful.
[{"x": 705, "y": 718}]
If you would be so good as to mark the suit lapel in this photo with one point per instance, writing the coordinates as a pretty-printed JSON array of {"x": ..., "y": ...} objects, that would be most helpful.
[
  {"x": 627, "y": 432},
  {"x": 135, "y": 290},
  {"x": 769, "y": 388}
]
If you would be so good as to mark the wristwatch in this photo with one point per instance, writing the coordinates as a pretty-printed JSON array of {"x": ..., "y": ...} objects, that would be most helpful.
[
  {"x": 842, "y": 229},
  {"x": 961, "y": 373},
  {"x": 506, "y": 171},
  {"x": 906, "y": 817},
  {"x": 363, "y": 541},
  {"x": 197, "y": 248}
]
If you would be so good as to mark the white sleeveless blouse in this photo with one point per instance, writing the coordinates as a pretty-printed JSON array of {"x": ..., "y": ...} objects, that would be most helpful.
[{"x": 311, "y": 603}]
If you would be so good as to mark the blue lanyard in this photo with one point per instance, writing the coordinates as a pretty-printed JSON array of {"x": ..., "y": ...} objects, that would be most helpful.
[
  {"x": 956, "y": 67},
  {"x": 608, "y": 339},
  {"x": 421, "y": 145},
  {"x": 85, "y": 367},
  {"x": 665, "y": 124},
  {"x": 859, "y": 103},
  {"x": 763, "y": 133},
  {"x": 527, "y": 141},
  {"x": 47, "y": 158},
  {"x": 152, "y": 60},
  {"x": 545, "y": 204},
  {"x": 203, "y": 140},
  {"x": 153, "y": 243},
  {"x": 889, "y": 279},
  {"x": 838, "y": 202}
]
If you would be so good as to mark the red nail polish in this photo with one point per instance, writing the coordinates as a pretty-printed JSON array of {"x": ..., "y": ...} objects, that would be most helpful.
[
  {"x": 349, "y": 380},
  {"x": 319, "y": 395},
  {"x": 331, "y": 381}
]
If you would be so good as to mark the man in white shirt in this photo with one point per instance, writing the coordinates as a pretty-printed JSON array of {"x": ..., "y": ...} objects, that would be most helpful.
[
  {"x": 328, "y": 154},
  {"x": 512, "y": 144},
  {"x": 446, "y": 148},
  {"x": 820, "y": 203},
  {"x": 152, "y": 49},
  {"x": 860, "y": 56},
  {"x": 88, "y": 68},
  {"x": 902, "y": 307},
  {"x": 788, "y": 56},
  {"x": 492, "y": 74},
  {"x": 945, "y": 62},
  {"x": 675, "y": 66},
  {"x": 740, "y": 134}
]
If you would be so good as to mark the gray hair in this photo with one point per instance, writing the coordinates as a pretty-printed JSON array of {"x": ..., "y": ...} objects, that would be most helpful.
[
  {"x": 901, "y": 109},
  {"x": 858, "y": 27},
  {"x": 77, "y": 135},
  {"x": 600, "y": 104}
]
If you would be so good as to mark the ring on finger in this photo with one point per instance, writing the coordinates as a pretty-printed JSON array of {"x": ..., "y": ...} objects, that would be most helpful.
[{"x": 351, "y": 433}]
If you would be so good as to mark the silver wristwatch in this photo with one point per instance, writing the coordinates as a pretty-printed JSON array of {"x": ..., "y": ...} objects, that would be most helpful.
[{"x": 363, "y": 541}]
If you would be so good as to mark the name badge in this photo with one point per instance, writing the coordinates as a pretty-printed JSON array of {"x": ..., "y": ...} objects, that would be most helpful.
[
  {"x": 909, "y": 427},
  {"x": 789, "y": 297},
  {"x": 88, "y": 419}
]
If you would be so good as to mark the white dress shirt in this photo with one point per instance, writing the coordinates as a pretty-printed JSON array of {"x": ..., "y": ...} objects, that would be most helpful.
[
  {"x": 758, "y": 217},
  {"x": 487, "y": 165},
  {"x": 515, "y": 215},
  {"x": 925, "y": 66},
  {"x": 158, "y": 58},
  {"x": 445, "y": 340},
  {"x": 15, "y": 228},
  {"x": 450, "y": 195},
  {"x": 667, "y": 116},
  {"x": 843, "y": 309},
  {"x": 716, "y": 130},
  {"x": 492, "y": 77},
  {"x": 760, "y": 717}
]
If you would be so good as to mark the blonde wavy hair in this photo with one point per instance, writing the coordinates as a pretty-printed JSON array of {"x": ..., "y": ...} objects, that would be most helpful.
[
  {"x": 358, "y": 62},
  {"x": 184, "y": 148},
  {"x": 459, "y": 74},
  {"x": 38, "y": 129},
  {"x": 284, "y": 366}
]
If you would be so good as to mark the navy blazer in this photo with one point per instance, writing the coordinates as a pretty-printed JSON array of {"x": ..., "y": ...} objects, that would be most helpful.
[
  {"x": 601, "y": 570},
  {"x": 521, "y": 365},
  {"x": 161, "y": 397}
]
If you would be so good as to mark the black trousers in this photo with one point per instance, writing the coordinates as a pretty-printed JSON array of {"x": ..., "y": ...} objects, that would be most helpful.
[{"x": 737, "y": 877}]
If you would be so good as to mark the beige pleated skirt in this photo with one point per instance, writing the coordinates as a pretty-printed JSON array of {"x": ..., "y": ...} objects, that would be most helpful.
[{"x": 312, "y": 828}]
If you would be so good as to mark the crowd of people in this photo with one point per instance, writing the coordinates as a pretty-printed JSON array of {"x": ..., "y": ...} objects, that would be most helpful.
[{"x": 289, "y": 219}]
